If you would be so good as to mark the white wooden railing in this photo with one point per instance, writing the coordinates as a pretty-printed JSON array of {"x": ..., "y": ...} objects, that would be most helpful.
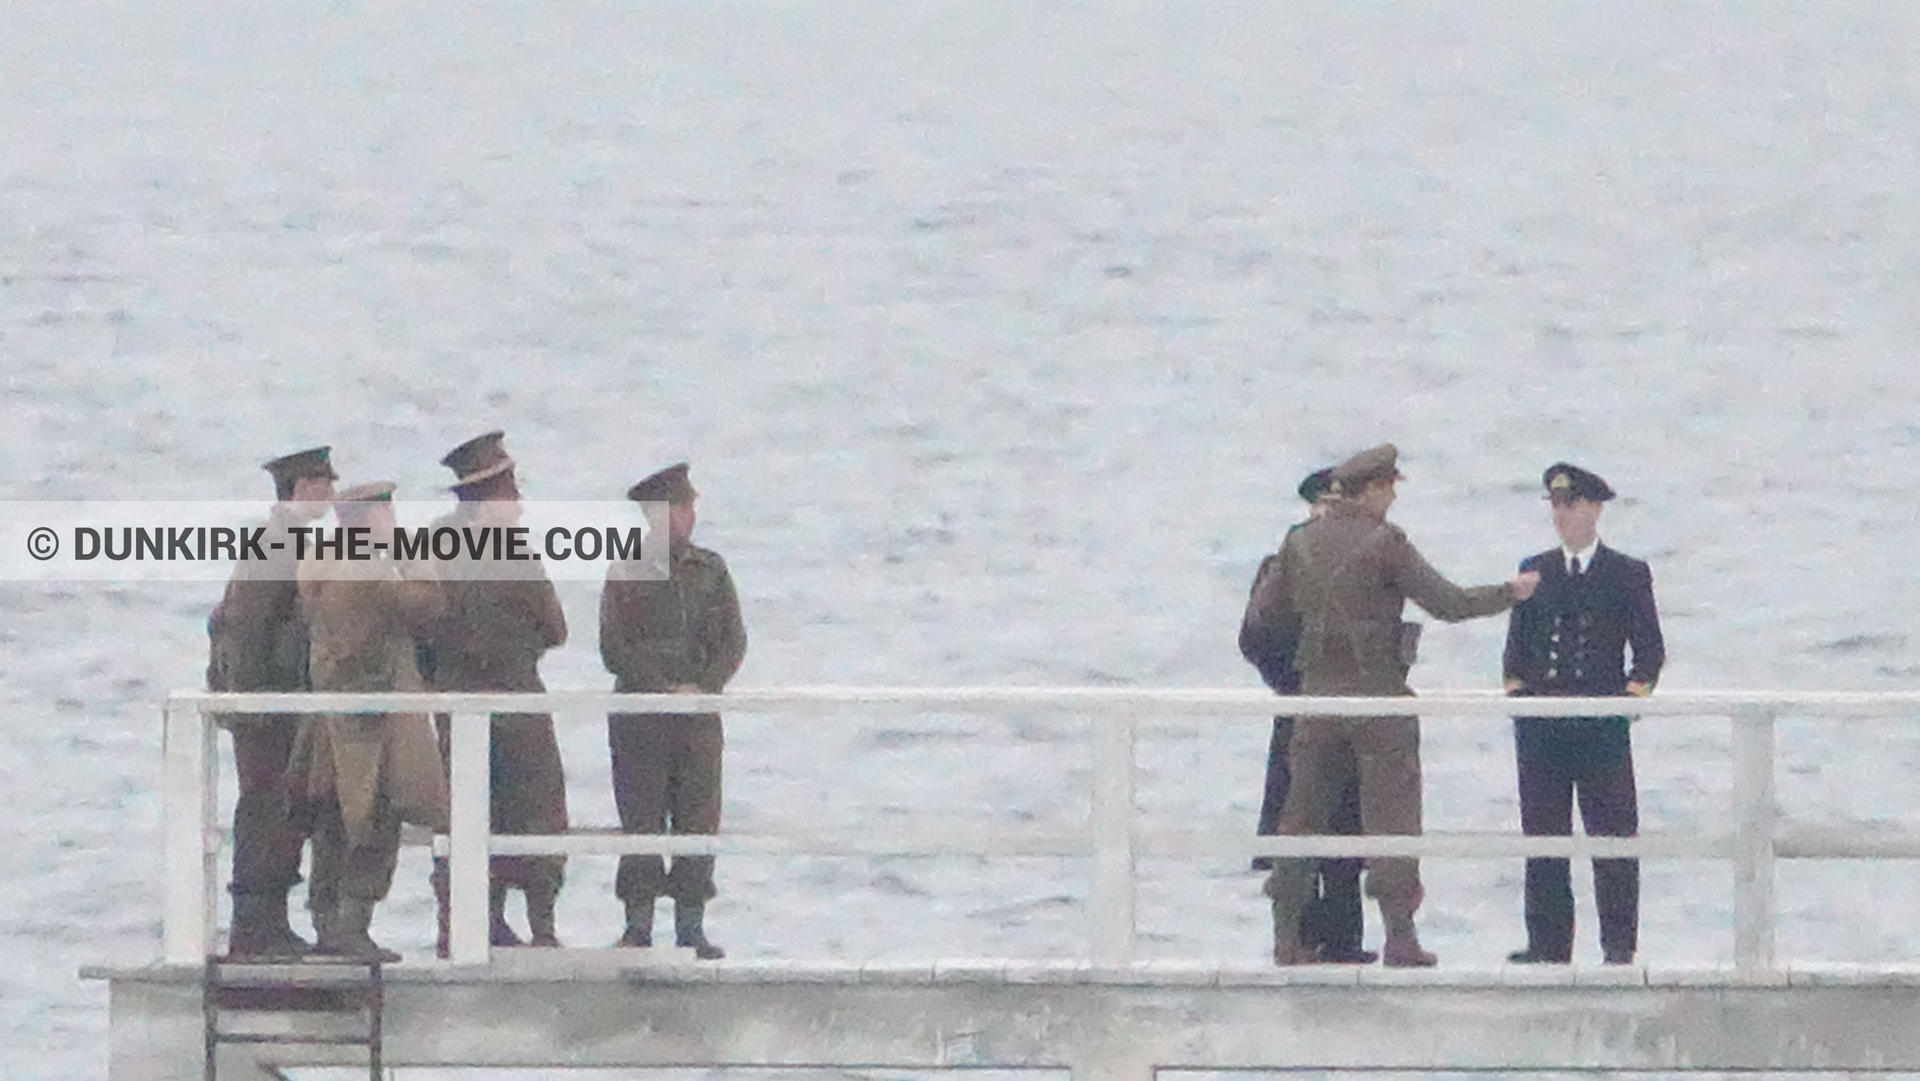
[{"x": 1756, "y": 838}]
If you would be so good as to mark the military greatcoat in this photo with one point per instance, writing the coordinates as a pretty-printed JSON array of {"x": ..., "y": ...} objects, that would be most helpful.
[
  {"x": 257, "y": 641},
  {"x": 498, "y": 622},
  {"x": 367, "y": 773}
]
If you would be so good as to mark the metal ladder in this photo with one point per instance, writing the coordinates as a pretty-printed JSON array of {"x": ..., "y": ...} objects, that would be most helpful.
[{"x": 256, "y": 987}]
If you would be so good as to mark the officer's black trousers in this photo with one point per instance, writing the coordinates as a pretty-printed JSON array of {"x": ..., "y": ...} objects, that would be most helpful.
[{"x": 1591, "y": 759}]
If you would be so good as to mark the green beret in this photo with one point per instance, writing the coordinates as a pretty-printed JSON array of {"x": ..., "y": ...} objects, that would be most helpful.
[
  {"x": 352, "y": 505},
  {"x": 374, "y": 491},
  {"x": 1316, "y": 484}
]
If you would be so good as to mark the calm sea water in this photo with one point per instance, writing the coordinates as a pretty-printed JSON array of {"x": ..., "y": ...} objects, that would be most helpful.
[{"x": 998, "y": 336}]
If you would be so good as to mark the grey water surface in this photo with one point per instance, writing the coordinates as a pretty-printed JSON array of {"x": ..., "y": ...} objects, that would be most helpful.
[{"x": 998, "y": 335}]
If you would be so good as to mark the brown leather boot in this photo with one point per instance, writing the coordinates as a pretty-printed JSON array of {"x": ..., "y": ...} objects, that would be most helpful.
[
  {"x": 639, "y": 930},
  {"x": 320, "y": 909},
  {"x": 689, "y": 929},
  {"x": 1402, "y": 948},
  {"x": 540, "y": 901},
  {"x": 346, "y": 934},
  {"x": 442, "y": 908},
  {"x": 1287, "y": 887},
  {"x": 260, "y": 928},
  {"x": 499, "y": 931}
]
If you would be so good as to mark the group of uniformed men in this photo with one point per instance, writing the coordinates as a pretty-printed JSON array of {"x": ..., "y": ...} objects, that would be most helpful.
[
  {"x": 348, "y": 781},
  {"x": 1325, "y": 618}
]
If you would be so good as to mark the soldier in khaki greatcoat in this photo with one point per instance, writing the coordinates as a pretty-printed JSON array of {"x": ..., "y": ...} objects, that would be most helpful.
[
  {"x": 1345, "y": 579},
  {"x": 359, "y": 776},
  {"x": 683, "y": 635},
  {"x": 1333, "y": 924},
  {"x": 501, "y": 617},
  {"x": 257, "y": 640}
]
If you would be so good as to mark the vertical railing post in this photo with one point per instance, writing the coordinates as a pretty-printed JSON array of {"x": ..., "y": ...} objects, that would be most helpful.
[
  {"x": 1754, "y": 821},
  {"x": 186, "y": 818},
  {"x": 467, "y": 841},
  {"x": 210, "y": 825},
  {"x": 1112, "y": 810}
]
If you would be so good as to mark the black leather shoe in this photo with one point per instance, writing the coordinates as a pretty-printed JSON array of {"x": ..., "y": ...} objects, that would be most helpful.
[
  {"x": 1619, "y": 957},
  {"x": 1531, "y": 956},
  {"x": 1330, "y": 955}
]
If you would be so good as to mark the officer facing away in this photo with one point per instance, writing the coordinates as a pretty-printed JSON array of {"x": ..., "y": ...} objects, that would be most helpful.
[
  {"x": 1346, "y": 579},
  {"x": 1332, "y": 924}
]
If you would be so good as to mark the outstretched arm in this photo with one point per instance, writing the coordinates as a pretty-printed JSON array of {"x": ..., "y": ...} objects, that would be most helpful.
[{"x": 1428, "y": 588}]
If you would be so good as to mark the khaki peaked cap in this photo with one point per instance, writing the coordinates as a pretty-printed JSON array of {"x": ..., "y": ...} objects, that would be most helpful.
[
  {"x": 478, "y": 459},
  {"x": 312, "y": 462},
  {"x": 669, "y": 485},
  {"x": 1377, "y": 463}
]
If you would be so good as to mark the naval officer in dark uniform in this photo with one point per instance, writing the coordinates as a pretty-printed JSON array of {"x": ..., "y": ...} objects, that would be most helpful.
[
  {"x": 1332, "y": 924},
  {"x": 1571, "y": 638}
]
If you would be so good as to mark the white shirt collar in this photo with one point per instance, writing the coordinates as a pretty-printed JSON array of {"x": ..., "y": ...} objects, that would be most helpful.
[{"x": 1584, "y": 555}]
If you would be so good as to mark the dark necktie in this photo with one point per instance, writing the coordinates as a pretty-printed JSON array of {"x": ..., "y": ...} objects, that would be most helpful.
[{"x": 1573, "y": 566}]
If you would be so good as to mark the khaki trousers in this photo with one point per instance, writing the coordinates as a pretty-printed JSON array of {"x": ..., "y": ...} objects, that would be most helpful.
[
  {"x": 1384, "y": 752},
  {"x": 344, "y": 869},
  {"x": 266, "y": 841},
  {"x": 666, "y": 779}
]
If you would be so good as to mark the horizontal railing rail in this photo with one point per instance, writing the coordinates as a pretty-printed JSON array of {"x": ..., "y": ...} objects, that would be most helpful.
[
  {"x": 1183, "y": 701},
  {"x": 1113, "y": 838}
]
